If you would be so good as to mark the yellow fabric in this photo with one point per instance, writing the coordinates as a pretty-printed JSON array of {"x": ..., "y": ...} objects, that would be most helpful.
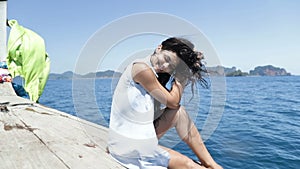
[{"x": 27, "y": 58}]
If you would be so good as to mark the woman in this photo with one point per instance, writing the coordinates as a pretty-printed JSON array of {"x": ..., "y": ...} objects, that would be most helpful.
[{"x": 137, "y": 121}]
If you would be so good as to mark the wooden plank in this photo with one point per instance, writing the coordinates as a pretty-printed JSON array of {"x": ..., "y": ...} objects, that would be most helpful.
[
  {"x": 6, "y": 89},
  {"x": 19, "y": 148},
  {"x": 35, "y": 136}
]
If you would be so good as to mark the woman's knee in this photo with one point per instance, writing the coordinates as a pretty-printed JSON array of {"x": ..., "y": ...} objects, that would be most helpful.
[
  {"x": 178, "y": 114},
  {"x": 171, "y": 118},
  {"x": 172, "y": 115}
]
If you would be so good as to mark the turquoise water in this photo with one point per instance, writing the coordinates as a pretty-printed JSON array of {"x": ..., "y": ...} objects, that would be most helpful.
[{"x": 259, "y": 128}]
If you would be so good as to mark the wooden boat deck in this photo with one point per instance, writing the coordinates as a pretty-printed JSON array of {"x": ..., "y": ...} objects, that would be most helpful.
[{"x": 35, "y": 136}]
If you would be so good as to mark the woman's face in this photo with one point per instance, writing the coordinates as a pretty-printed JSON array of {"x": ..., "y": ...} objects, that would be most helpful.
[{"x": 164, "y": 61}]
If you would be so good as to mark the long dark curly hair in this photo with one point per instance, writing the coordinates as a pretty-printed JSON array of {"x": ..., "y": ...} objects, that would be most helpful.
[{"x": 191, "y": 66}]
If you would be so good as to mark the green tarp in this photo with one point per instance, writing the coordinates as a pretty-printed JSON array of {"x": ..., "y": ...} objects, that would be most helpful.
[{"x": 27, "y": 58}]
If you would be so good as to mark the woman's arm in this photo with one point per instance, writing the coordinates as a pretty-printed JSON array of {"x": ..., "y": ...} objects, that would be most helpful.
[{"x": 144, "y": 75}]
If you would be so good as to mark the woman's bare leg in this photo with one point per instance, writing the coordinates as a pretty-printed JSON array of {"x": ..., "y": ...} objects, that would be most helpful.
[
  {"x": 180, "y": 161},
  {"x": 168, "y": 119},
  {"x": 188, "y": 132}
]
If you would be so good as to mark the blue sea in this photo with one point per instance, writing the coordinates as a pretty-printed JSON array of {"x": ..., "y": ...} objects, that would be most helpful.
[{"x": 258, "y": 129}]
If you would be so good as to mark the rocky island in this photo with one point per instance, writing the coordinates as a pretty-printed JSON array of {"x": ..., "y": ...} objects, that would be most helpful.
[{"x": 267, "y": 70}]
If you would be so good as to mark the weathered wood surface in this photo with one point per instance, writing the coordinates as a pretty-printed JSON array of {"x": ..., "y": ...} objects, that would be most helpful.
[{"x": 34, "y": 136}]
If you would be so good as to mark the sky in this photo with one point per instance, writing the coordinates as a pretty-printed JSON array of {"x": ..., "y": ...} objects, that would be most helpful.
[{"x": 244, "y": 34}]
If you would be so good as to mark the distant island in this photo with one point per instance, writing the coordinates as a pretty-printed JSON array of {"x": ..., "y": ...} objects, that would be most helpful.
[
  {"x": 267, "y": 70},
  {"x": 71, "y": 75}
]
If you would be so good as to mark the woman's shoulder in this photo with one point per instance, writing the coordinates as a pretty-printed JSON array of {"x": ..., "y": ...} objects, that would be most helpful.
[
  {"x": 140, "y": 65},
  {"x": 140, "y": 68}
]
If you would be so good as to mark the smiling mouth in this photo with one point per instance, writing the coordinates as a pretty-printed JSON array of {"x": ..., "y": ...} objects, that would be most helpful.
[{"x": 158, "y": 70}]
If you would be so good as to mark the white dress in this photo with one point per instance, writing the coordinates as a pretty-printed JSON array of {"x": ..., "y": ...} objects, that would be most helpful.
[{"x": 132, "y": 139}]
